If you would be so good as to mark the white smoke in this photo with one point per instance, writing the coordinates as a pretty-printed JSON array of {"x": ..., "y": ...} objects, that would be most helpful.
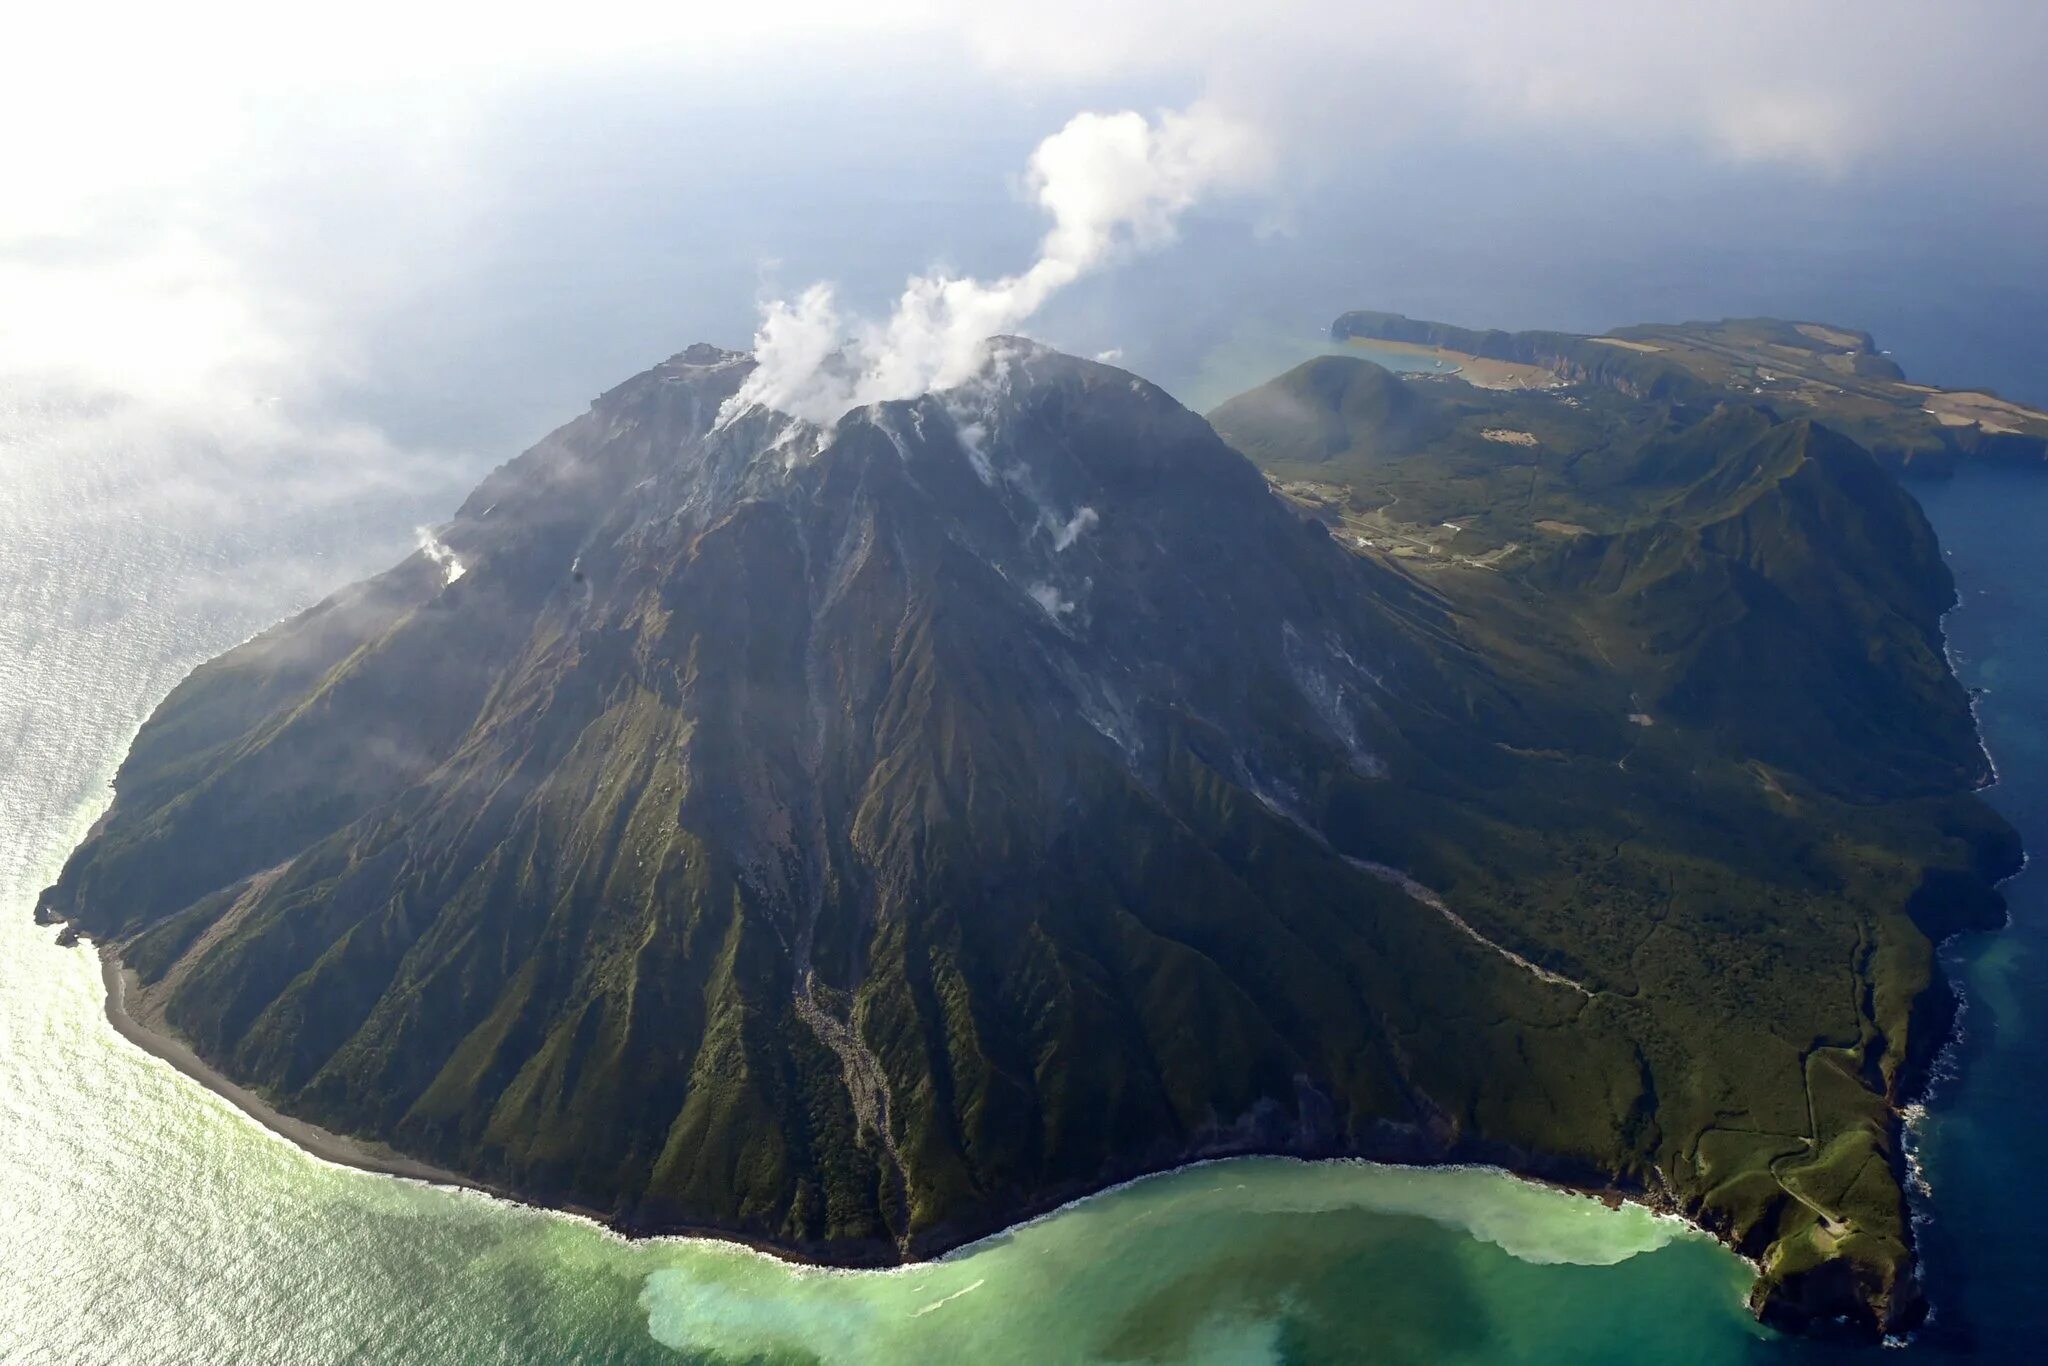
[
  {"x": 1065, "y": 534},
  {"x": 437, "y": 551},
  {"x": 1109, "y": 182},
  {"x": 1048, "y": 597}
]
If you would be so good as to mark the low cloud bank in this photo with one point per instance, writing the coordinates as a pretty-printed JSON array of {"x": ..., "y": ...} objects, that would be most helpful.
[{"x": 1110, "y": 182}]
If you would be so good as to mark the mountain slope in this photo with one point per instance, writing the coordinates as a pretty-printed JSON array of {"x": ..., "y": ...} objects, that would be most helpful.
[
  {"x": 855, "y": 839},
  {"x": 1758, "y": 578}
]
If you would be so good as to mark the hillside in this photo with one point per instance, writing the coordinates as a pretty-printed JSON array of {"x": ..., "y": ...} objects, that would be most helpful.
[{"x": 1753, "y": 576}]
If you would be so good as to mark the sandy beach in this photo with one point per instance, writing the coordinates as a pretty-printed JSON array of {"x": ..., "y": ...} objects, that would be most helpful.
[
  {"x": 364, "y": 1155},
  {"x": 375, "y": 1157},
  {"x": 322, "y": 1143}
]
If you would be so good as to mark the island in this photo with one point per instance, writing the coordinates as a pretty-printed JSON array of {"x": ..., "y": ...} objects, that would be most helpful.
[{"x": 857, "y": 839}]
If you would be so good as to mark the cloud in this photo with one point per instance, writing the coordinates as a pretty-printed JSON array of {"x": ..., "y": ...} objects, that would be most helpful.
[
  {"x": 199, "y": 394},
  {"x": 168, "y": 319},
  {"x": 165, "y": 407},
  {"x": 1109, "y": 182},
  {"x": 211, "y": 207},
  {"x": 1823, "y": 85}
]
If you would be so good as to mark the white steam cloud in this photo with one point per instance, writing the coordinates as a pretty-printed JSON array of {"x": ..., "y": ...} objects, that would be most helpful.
[
  {"x": 1065, "y": 534},
  {"x": 437, "y": 550},
  {"x": 1109, "y": 182}
]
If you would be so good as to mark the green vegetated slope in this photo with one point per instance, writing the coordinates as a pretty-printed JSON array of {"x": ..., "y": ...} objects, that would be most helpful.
[
  {"x": 1836, "y": 375},
  {"x": 857, "y": 839},
  {"x": 1768, "y": 861}
]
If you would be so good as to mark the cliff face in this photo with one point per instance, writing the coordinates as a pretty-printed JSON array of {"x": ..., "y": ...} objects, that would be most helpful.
[{"x": 855, "y": 839}]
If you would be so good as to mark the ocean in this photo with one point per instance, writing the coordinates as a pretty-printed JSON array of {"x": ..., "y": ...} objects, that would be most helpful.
[{"x": 144, "y": 1219}]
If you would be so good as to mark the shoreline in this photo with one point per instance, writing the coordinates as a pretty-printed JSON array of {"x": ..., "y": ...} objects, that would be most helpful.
[
  {"x": 356, "y": 1154},
  {"x": 1918, "y": 1094},
  {"x": 325, "y": 1144}
]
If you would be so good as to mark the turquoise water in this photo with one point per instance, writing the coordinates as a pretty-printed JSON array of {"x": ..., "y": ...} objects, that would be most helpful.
[{"x": 142, "y": 1219}]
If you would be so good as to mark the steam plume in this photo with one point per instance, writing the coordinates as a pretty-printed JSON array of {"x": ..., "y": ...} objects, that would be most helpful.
[{"x": 1107, "y": 180}]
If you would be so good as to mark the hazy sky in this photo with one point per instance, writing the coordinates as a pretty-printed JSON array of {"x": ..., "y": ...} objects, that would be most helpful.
[{"x": 375, "y": 234}]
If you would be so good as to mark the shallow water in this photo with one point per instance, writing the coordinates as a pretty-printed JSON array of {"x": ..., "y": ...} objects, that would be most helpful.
[{"x": 141, "y": 1218}]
